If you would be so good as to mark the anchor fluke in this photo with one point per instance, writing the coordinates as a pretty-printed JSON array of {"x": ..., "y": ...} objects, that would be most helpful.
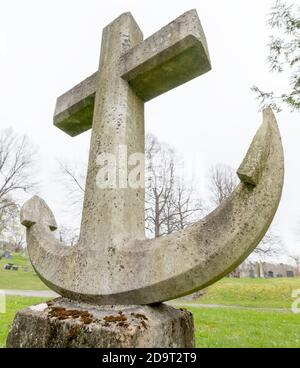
[
  {"x": 251, "y": 168},
  {"x": 36, "y": 210}
]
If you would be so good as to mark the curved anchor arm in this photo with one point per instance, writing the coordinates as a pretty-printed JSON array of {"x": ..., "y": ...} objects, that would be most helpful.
[
  {"x": 196, "y": 257},
  {"x": 44, "y": 249},
  {"x": 148, "y": 271}
]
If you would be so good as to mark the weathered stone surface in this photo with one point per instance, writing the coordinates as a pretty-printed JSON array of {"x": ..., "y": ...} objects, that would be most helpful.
[
  {"x": 74, "y": 109},
  {"x": 153, "y": 270},
  {"x": 251, "y": 168},
  {"x": 38, "y": 211},
  {"x": 113, "y": 262},
  {"x": 64, "y": 324},
  {"x": 172, "y": 56}
]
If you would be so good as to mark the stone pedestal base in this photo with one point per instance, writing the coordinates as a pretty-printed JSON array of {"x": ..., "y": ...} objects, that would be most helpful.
[{"x": 63, "y": 323}]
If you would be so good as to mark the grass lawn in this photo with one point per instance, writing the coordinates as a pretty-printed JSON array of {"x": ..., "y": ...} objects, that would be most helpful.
[
  {"x": 236, "y": 328},
  {"x": 260, "y": 293},
  {"x": 19, "y": 280},
  {"x": 217, "y": 327},
  {"x": 13, "y": 304}
]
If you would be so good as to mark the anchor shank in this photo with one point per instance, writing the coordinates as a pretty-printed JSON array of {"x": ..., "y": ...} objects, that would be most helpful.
[{"x": 113, "y": 215}]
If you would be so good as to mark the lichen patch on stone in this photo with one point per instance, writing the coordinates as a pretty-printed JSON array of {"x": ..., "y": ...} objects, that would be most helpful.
[
  {"x": 139, "y": 316},
  {"x": 118, "y": 318},
  {"x": 62, "y": 313}
]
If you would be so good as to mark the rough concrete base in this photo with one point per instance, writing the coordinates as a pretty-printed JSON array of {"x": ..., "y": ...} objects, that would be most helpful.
[{"x": 62, "y": 323}]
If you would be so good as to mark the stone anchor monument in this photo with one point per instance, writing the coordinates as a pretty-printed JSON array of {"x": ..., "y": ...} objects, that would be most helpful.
[{"x": 113, "y": 282}]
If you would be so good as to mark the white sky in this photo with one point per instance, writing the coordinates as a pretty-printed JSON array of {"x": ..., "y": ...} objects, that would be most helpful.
[{"x": 46, "y": 47}]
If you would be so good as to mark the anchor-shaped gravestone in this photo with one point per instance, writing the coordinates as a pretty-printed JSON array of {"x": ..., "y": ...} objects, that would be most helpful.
[{"x": 114, "y": 263}]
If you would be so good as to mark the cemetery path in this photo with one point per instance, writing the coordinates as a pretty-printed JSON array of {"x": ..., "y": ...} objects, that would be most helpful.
[
  {"x": 198, "y": 305},
  {"x": 31, "y": 293},
  {"x": 52, "y": 294}
]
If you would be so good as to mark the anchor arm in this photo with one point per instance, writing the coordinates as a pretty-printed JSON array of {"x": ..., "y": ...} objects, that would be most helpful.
[
  {"x": 155, "y": 270},
  {"x": 214, "y": 246},
  {"x": 48, "y": 255}
]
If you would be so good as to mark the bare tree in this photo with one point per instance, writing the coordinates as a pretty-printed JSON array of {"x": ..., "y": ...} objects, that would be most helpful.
[
  {"x": 159, "y": 184},
  {"x": 186, "y": 206},
  {"x": 16, "y": 165},
  {"x": 68, "y": 235},
  {"x": 11, "y": 230},
  {"x": 170, "y": 202},
  {"x": 296, "y": 259},
  {"x": 270, "y": 246},
  {"x": 7, "y": 212},
  {"x": 223, "y": 181},
  {"x": 16, "y": 176},
  {"x": 73, "y": 178}
]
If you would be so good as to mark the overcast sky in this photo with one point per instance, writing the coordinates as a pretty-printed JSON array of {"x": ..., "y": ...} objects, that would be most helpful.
[{"x": 46, "y": 47}]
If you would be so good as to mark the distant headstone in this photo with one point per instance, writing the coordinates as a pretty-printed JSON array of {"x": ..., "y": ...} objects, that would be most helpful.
[
  {"x": 290, "y": 273},
  {"x": 8, "y": 266},
  {"x": 7, "y": 255}
]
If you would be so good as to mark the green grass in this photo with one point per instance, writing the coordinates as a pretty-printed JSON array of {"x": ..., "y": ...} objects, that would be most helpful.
[
  {"x": 235, "y": 328},
  {"x": 13, "y": 304},
  {"x": 19, "y": 280},
  {"x": 260, "y": 293},
  {"x": 219, "y": 327}
]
